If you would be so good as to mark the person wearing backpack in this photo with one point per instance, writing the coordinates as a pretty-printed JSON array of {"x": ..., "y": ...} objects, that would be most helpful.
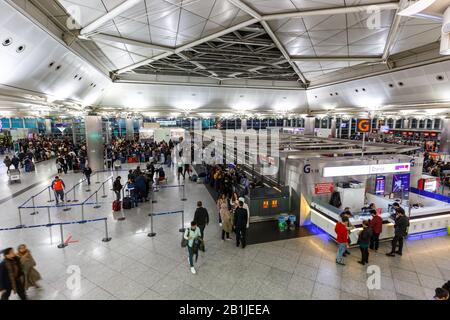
[{"x": 192, "y": 235}]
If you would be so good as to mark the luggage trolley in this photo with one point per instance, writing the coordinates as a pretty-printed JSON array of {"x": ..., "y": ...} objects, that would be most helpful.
[{"x": 14, "y": 176}]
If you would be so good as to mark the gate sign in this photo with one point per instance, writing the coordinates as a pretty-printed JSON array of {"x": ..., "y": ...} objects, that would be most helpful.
[
  {"x": 323, "y": 188},
  {"x": 363, "y": 125}
]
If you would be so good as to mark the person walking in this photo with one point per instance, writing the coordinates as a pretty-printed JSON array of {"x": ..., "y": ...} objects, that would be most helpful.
[
  {"x": 15, "y": 162},
  {"x": 201, "y": 218},
  {"x": 117, "y": 187},
  {"x": 11, "y": 275},
  {"x": 28, "y": 264},
  {"x": 180, "y": 171},
  {"x": 376, "y": 224},
  {"x": 225, "y": 218},
  {"x": 240, "y": 225},
  {"x": 7, "y": 163},
  {"x": 192, "y": 235},
  {"x": 364, "y": 241},
  {"x": 400, "y": 232},
  {"x": 341, "y": 239},
  {"x": 87, "y": 173},
  {"x": 58, "y": 187}
]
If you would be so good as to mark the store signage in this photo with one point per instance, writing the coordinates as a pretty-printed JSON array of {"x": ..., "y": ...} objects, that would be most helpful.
[
  {"x": 323, "y": 188},
  {"x": 366, "y": 169},
  {"x": 167, "y": 123},
  {"x": 363, "y": 125},
  {"x": 400, "y": 182},
  {"x": 430, "y": 185},
  {"x": 384, "y": 129}
]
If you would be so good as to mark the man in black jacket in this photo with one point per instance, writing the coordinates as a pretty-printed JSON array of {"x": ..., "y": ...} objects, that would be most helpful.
[
  {"x": 240, "y": 224},
  {"x": 11, "y": 275},
  {"x": 201, "y": 217},
  {"x": 87, "y": 172},
  {"x": 401, "y": 231}
]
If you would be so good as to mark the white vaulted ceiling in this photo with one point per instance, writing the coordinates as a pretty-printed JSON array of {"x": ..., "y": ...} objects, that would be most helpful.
[{"x": 231, "y": 54}]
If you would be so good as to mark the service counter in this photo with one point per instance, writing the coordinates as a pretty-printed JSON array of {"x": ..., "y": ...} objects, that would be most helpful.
[{"x": 426, "y": 215}]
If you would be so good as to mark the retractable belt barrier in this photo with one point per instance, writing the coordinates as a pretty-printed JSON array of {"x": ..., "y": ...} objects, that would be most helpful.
[
  {"x": 63, "y": 244},
  {"x": 151, "y": 215}
]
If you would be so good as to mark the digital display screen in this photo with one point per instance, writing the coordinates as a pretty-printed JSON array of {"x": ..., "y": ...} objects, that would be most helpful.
[
  {"x": 400, "y": 182},
  {"x": 379, "y": 184},
  {"x": 384, "y": 129}
]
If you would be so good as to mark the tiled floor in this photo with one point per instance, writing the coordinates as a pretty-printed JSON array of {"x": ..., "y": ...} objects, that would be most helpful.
[{"x": 134, "y": 266}]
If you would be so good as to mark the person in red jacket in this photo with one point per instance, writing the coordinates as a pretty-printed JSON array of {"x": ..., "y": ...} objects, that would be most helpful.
[
  {"x": 341, "y": 239},
  {"x": 376, "y": 224}
]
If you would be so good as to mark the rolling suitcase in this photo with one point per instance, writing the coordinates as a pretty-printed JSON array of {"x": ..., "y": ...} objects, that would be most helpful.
[
  {"x": 116, "y": 206},
  {"x": 127, "y": 203}
]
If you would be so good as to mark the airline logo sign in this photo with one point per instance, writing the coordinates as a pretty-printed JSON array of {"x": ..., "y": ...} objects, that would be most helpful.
[
  {"x": 366, "y": 170},
  {"x": 363, "y": 125}
]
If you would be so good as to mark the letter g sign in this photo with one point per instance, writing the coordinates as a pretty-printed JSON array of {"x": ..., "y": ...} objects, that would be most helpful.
[
  {"x": 307, "y": 168},
  {"x": 363, "y": 125}
]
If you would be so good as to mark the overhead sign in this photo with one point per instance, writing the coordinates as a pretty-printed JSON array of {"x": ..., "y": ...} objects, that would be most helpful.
[
  {"x": 323, "y": 188},
  {"x": 363, "y": 125},
  {"x": 366, "y": 169}
]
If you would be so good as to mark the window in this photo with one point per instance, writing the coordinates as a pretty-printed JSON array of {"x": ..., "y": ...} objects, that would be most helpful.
[
  {"x": 437, "y": 124},
  {"x": 422, "y": 124},
  {"x": 414, "y": 123},
  {"x": 399, "y": 124},
  {"x": 324, "y": 123},
  {"x": 429, "y": 124},
  {"x": 390, "y": 123},
  {"x": 317, "y": 123}
]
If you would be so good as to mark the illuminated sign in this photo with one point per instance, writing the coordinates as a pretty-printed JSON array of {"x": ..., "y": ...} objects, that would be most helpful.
[
  {"x": 266, "y": 204},
  {"x": 323, "y": 188},
  {"x": 363, "y": 125},
  {"x": 167, "y": 123},
  {"x": 366, "y": 169},
  {"x": 274, "y": 203}
]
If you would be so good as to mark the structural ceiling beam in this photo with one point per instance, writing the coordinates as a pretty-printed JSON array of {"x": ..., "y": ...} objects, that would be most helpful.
[
  {"x": 337, "y": 58},
  {"x": 393, "y": 31},
  {"x": 108, "y": 37},
  {"x": 121, "y": 8}
]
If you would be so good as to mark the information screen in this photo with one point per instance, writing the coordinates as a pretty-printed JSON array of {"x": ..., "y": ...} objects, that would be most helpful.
[
  {"x": 400, "y": 182},
  {"x": 379, "y": 184}
]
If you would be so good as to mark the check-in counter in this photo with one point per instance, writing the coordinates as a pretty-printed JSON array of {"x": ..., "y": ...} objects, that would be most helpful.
[{"x": 326, "y": 216}]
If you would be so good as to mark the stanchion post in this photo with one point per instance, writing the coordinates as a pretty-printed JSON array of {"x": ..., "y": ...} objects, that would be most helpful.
[
  {"x": 184, "y": 194},
  {"x": 74, "y": 194},
  {"x": 62, "y": 244},
  {"x": 50, "y": 195},
  {"x": 104, "y": 193},
  {"x": 21, "y": 225},
  {"x": 49, "y": 216},
  {"x": 107, "y": 238},
  {"x": 153, "y": 196},
  {"x": 98, "y": 177},
  {"x": 182, "y": 229},
  {"x": 34, "y": 207},
  {"x": 82, "y": 211},
  {"x": 96, "y": 201},
  {"x": 152, "y": 233}
]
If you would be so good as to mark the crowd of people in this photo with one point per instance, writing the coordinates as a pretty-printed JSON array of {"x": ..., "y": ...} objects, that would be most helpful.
[
  {"x": 18, "y": 272},
  {"x": 437, "y": 168}
]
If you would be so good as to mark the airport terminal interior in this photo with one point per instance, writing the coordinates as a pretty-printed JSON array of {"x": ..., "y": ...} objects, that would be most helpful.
[{"x": 225, "y": 149}]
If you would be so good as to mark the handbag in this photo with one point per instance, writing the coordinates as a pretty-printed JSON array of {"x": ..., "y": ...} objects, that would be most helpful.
[{"x": 184, "y": 242}]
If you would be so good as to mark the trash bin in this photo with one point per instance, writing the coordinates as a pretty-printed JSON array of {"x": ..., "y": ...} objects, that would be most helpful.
[
  {"x": 448, "y": 230},
  {"x": 281, "y": 223},
  {"x": 292, "y": 220}
]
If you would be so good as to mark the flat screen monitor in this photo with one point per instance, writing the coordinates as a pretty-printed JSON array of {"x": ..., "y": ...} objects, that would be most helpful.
[
  {"x": 400, "y": 182},
  {"x": 379, "y": 184}
]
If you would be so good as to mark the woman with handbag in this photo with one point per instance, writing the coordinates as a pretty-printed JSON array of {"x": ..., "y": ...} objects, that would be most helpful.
[{"x": 191, "y": 236}]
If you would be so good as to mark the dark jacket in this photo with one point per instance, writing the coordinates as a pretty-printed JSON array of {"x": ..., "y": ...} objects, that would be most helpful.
[
  {"x": 401, "y": 226},
  {"x": 364, "y": 237},
  {"x": 87, "y": 171},
  {"x": 117, "y": 186},
  {"x": 7, "y": 276},
  {"x": 201, "y": 216},
  {"x": 240, "y": 218}
]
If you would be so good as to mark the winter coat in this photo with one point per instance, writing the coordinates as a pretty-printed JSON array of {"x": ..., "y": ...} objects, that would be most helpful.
[
  {"x": 376, "y": 224},
  {"x": 240, "y": 218},
  {"x": 401, "y": 226},
  {"x": 201, "y": 216},
  {"x": 31, "y": 275},
  {"x": 225, "y": 216},
  {"x": 364, "y": 237},
  {"x": 7, "y": 276}
]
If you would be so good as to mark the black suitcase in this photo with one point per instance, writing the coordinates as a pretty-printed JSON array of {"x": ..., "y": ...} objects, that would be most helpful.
[{"x": 127, "y": 203}]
